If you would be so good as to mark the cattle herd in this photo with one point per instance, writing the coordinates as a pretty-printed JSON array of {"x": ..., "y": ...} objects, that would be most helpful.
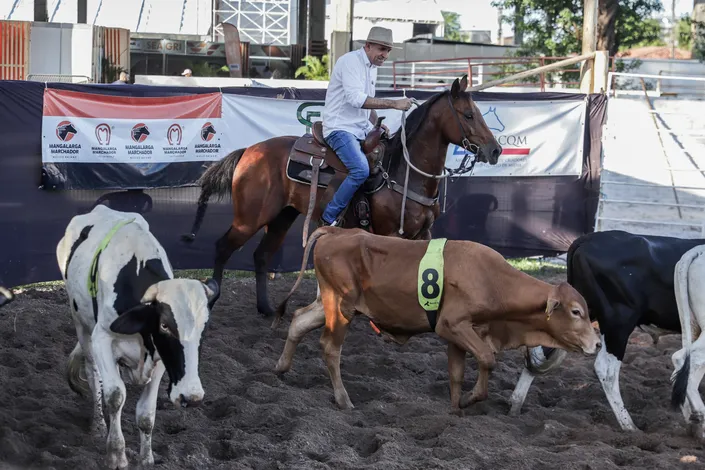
[{"x": 135, "y": 321}]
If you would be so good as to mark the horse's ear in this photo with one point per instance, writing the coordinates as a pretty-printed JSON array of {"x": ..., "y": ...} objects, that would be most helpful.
[
  {"x": 455, "y": 88},
  {"x": 464, "y": 83}
]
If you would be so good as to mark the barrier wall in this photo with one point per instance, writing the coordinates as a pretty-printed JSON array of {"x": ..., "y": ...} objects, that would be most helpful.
[{"x": 532, "y": 214}]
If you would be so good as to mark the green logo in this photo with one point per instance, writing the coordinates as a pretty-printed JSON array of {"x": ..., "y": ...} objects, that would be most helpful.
[
  {"x": 304, "y": 115},
  {"x": 430, "y": 277}
]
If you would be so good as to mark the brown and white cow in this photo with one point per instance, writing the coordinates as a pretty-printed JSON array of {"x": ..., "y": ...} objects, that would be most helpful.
[{"x": 487, "y": 305}]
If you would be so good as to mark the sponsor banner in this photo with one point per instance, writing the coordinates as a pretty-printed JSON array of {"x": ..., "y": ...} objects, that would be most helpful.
[
  {"x": 539, "y": 138},
  {"x": 91, "y": 128}
]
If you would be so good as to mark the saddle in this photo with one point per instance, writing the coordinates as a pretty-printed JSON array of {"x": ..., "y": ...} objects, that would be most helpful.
[{"x": 312, "y": 161}]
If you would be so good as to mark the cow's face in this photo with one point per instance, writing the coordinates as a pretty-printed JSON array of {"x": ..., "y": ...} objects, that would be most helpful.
[
  {"x": 568, "y": 320},
  {"x": 174, "y": 313}
]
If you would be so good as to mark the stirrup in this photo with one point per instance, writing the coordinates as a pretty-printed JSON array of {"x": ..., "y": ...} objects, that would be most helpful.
[{"x": 362, "y": 211}]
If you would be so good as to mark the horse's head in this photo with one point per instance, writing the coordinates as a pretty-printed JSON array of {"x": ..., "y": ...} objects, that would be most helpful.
[{"x": 463, "y": 124}]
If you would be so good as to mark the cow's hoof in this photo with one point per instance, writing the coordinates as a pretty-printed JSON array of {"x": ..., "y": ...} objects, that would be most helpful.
[
  {"x": 697, "y": 431},
  {"x": 282, "y": 367},
  {"x": 117, "y": 460},
  {"x": 344, "y": 402}
]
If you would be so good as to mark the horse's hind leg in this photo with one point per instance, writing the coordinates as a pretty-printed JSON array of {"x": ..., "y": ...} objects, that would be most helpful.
[
  {"x": 233, "y": 239},
  {"x": 271, "y": 241}
]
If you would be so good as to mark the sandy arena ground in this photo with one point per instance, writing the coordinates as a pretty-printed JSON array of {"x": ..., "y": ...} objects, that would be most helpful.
[{"x": 252, "y": 418}]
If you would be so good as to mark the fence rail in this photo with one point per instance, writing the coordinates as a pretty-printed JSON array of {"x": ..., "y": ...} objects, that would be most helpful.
[
  {"x": 440, "y": 73},
  {"x": 38, "y": 77}
]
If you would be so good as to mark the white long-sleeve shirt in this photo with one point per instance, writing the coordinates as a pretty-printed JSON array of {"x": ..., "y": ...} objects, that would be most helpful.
[{"x": 352, "y": 81}]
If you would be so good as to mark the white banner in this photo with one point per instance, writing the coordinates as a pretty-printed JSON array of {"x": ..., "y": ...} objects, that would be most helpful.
[
  {"x": 91, "y": 128},
  {"x": 539, "y": 138}
]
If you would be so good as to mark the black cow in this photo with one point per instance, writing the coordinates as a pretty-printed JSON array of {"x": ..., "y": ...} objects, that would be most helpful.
[
  {"x": 627, "y": 281},
  {"x": 6, "y": 296}
]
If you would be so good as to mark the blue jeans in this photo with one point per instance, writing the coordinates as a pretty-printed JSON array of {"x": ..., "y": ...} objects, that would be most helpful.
[{"x": 349, "y": 150}]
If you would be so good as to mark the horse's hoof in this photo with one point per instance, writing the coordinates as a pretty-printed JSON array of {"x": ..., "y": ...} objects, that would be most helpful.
[
  {"x": 265, "y": 312},
  {"x": 188, "y": 237}
]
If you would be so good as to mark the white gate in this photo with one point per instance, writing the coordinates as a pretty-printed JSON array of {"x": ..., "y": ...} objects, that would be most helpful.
[{"x": 653, "y": 168}]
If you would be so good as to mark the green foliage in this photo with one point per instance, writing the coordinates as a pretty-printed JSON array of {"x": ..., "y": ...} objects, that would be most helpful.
[
  {"x": 554, "y": 27},
  {"x": 691, "y": 36},
  {"x": 315, "y": 68},
  {"x": 451, "y": 28}
]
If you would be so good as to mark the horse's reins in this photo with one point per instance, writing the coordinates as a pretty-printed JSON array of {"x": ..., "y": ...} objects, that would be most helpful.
[{"x": 462, "y": 169}]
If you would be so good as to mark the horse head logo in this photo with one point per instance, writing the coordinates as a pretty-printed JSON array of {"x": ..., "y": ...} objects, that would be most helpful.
[
  {"x": 140, "y": 132},
  {"x": 65, "y": 131},
  {"x": 493, "y": 121},
  {"x": 102, "y": 133},
  {"x": 173, "y": 135},
  {"x": 207, "y": 131}
]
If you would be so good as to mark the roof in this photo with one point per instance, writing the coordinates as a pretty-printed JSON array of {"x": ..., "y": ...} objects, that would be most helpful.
[
  {"x": 654, "y": 52},
  {"x": 418, "y": 11}
]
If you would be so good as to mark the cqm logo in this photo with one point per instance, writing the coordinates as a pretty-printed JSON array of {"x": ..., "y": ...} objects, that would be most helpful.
[
  {"x": 65, "y": 131},
  {"x": 139, "y": 132},
  {"x": 102, "y": 134},
  {"x": 207, "y": 132},
  {"x": 512, "y": 144},
  {"x": 174, "y": 134}
]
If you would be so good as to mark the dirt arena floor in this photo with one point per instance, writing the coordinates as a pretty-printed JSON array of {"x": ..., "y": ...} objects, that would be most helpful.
[{"x": 252, "y": 418}]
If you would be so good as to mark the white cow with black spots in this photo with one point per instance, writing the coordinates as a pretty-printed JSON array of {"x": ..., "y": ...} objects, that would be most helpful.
[
  {"x": 134, "y": 321},
  {"x": 689, "y": 362},
  {"x": 6, "y": 296}
]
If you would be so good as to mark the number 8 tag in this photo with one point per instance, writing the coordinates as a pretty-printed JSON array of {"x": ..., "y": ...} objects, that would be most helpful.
[{"x": 430, "y": 278}]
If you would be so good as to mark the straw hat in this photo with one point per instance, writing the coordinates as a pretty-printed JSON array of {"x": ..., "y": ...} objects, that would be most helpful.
[{"x": 382, "y": 36}]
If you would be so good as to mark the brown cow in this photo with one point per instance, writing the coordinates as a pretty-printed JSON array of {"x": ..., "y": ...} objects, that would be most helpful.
[{"x": 487, "y": 305}]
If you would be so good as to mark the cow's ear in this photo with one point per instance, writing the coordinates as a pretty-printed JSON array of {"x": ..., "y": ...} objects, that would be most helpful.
[
  {"x": 135, "y": 320},
  {"x": 552, "y": 303}
]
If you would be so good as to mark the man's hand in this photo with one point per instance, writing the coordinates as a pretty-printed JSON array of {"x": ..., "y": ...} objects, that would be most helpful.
[{"x": 403, "y": 104}]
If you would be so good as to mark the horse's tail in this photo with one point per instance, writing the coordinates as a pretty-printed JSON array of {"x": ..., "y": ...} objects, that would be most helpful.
[
  {"x": 679, "y": 378},
  {"x": 6, "y": 296},
  {"x": 311, "y": 240},
  {"x": 216, "y": 180},
  {"x": 76, "y": 364}
]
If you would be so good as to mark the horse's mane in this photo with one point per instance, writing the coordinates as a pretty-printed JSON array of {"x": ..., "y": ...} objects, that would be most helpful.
[{"x": 393, "y": 154}]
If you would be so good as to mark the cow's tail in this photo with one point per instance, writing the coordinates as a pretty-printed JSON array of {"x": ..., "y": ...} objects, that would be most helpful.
[
  {"x": 217, "y": 180},
  {"x": 679, "y": 378},
  {"x": 76, "y": 366},
  {"x": 318, "y": 233}
]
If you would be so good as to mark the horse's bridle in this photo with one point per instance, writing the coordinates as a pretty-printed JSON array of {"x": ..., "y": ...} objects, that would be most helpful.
[{"x": 467, "y": 145}]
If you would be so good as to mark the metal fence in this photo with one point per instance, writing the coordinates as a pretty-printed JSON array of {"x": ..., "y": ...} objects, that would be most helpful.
[
  {"x": 440, "y": 73},
  {"x": 56, "y": 78}
]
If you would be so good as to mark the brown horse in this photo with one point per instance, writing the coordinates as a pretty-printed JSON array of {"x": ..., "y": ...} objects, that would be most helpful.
[{"x": 263, "y": 195}]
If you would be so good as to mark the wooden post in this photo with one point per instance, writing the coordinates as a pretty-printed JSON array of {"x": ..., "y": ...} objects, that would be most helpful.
[
  {"x": 589, "y": 44},
  {"x": 601, "y": 67}
]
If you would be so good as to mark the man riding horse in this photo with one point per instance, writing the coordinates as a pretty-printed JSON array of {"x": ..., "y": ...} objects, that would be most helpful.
[{"x": 349, "y": 114}]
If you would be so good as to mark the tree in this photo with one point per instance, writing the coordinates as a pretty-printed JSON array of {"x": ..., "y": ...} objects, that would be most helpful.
[
  {"x": 315, "y": 68},
  {"x": 554, "y": 27},
  {"x": 451, "y": 28}
]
